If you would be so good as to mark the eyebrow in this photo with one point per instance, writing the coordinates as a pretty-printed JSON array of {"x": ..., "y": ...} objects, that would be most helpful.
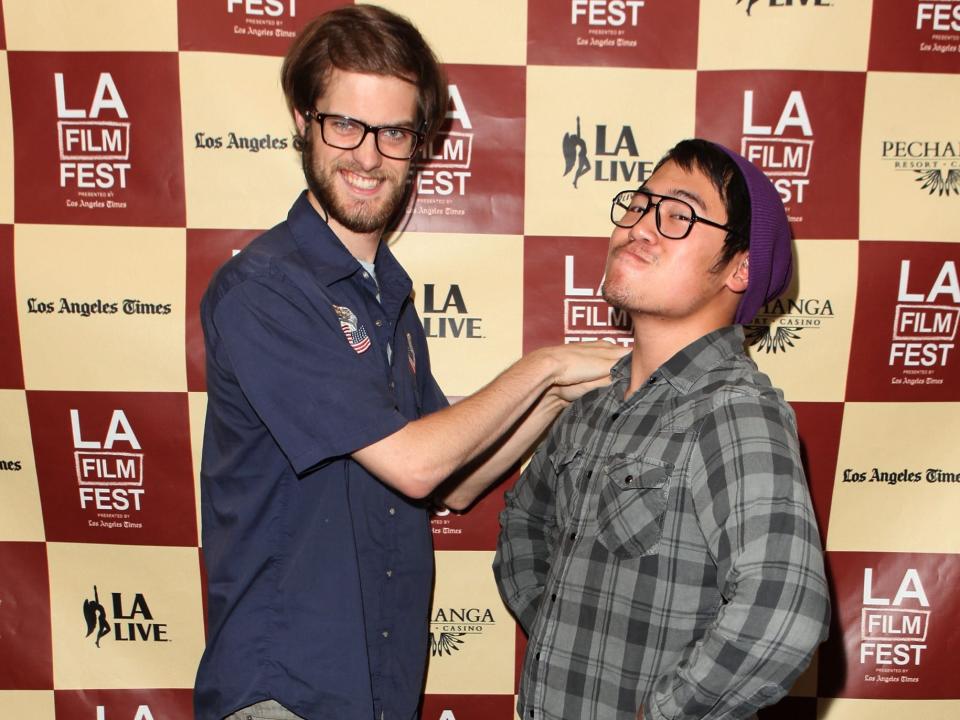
[
  {"x": 407, "y": 124},
  {"x": 681, "y": 194}
]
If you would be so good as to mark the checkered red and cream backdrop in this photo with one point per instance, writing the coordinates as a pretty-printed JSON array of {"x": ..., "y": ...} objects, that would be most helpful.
[{"x": 142, "y": 142}]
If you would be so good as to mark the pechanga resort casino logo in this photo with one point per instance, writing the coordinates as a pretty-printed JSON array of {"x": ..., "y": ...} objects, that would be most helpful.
[
  {"x": 603, "y": 153},
  {"x": 782, "y": 4},
  {"x": 120, "y": 618},
  {"x": 785, "y": 322},
  {"x": 451, "y": 629},
  {"x": 934, "y": 164}
]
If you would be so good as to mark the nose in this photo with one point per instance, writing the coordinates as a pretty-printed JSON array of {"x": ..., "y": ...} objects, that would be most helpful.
[
  {"x": 646, "y": 228},
  {"x": 366, "y": 153}
]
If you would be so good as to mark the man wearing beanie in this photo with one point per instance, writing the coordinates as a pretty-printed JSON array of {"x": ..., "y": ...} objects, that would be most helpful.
[{"x": 660, "y": 550}]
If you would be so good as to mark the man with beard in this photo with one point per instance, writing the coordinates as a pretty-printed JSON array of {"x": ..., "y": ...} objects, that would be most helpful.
[
  {"x": 660, "y": 549},
  {"x": 325, "y": 429}
]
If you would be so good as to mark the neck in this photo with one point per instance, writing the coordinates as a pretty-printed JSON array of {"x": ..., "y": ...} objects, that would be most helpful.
[
  {"x": 363, "y": 246},
  {"x": 656, "y": 339}
]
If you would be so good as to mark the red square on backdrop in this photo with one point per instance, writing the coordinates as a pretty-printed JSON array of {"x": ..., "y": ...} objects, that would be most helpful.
[
  {"x": 803, "y": 130},
  {"x": 893, "y": 626},
  {"x": 905, "y": 329},
  {"x": 818, "y": 425},
  {"x": 144, "y": 704},
  {"x": 562, "y": 277},
  {"x": 257, "y": 27},
  {"x": 11, "y": 365},
  {"x": 476, "y": 529},
  {"x": 97, "y": 138},
  {"x": 207, "y": 250},
  {"x": 467, "y": 707},
  {"x": 114, "y": 467},
  {"x": 618, "y": 33},
  {"x": 915, "y": 37},
  {"x": 470, "y": 178},
  {"x": 26, "y": 646}
]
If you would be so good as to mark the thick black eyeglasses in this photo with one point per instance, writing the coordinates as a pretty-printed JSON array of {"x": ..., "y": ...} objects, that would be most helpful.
[
  {"x": 675, "y": 217},
  {"x": 346, "y": 133}
]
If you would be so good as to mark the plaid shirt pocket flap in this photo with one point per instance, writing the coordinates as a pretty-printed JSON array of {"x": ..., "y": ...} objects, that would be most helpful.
[{"x": 632, "y": 502}]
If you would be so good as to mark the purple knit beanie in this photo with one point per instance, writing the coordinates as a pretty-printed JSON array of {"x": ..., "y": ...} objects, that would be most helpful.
[{"x": 771, "y": 254}]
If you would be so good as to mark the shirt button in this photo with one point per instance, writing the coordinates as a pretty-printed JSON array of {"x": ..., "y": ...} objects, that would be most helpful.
[
  {"x": 614, "y": 417},
  {"x": 537, "y": 656},
  {"x": 386, "y": 633},
  {"x": 628, "y": 479},
  {"x": 389, "y": 573},
  {"x": 366, "y": 275},
  {"x": 589, "y": 474},
  {"x": 531, "y": 713},
  {"x": 378, "y": 322},
  {"x": 573, "y": 536},
  {"x": 391, "y": 384},
  {"x": 553, "y": 597},
  {"x": 392, "y": 511}
]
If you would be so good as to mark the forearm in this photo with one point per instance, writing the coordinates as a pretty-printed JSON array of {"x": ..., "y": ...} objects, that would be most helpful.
[
  {"x": 420, "y": 456},
  {"x": 464, "y": 487}
]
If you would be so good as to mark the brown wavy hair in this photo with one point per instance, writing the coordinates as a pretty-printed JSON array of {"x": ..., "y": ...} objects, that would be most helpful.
[{"x": 363, "y": 39}]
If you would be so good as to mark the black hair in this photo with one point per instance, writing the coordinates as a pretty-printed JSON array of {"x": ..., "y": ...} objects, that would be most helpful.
[{"x": 726, "y": 177}]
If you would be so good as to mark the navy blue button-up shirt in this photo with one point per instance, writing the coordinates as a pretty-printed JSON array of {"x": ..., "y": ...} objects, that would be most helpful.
[{"x": 319, "y": 575}]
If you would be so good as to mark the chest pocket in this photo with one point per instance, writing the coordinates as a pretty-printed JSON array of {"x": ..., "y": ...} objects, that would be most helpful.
[{"x": 631, "y": 505}]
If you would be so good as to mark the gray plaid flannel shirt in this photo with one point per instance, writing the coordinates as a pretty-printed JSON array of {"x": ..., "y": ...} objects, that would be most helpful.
[{"x": 661, "y": 551}]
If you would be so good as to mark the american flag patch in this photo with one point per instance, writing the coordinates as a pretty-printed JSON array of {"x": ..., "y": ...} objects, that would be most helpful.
[{"x": 355, "y": 333}]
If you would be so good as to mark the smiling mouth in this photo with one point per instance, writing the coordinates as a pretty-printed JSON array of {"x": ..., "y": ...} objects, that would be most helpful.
[{"x": 361, "y": 183}]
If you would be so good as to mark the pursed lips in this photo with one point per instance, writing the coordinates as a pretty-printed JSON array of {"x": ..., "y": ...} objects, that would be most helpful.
[{"x": 637, "y": 251}]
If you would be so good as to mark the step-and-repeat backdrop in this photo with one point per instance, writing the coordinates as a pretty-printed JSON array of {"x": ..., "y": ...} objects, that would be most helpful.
[{"x": 143, "y": 142}]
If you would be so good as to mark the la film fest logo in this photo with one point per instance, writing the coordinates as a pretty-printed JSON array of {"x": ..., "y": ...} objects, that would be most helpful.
[
  {"x": 109, "y": 471},
  {"x": 124, "y": 618},
  {"x": 934, "y": 164},
  {"x": 263, "y": 18},
  {"x": 939, "y": 20},
  {"x": 586, "y": 315},
  {"x": 442, "y": 168},
  {"x": 605, "y": 153},
  {"x": 893, "y": 632},
  {"x": 784, "y": 150},
  {"x": 925, "y": 324},
  {"x": 143, "y": 713},
  {"x": 452, "y": 628},
  {"x": 781, "y": 323},
  {"x": 94, "y": 143},
  {"x": 605, "y": 21},
  {"x": 783, "y": 3},
  {"x": 446, "y": 315}
]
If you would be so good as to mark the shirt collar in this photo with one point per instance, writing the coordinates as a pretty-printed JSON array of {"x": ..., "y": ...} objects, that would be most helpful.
[
  {"x": 330, "y": 261},
  {"x": 691, "y": 363}
]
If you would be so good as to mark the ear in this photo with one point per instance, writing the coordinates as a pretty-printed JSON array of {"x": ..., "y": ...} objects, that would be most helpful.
[
  {"x": 300, "y": 120},
  {"x": 739, "y": 276}
]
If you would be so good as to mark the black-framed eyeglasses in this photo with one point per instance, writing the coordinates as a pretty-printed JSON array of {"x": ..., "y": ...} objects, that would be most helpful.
[
  {"x": 675, "y": 217},
  {"x": 347, "y": 133}
]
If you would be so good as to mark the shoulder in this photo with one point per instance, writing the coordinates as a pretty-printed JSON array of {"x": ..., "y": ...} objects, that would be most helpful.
[{"x": 266, "y": 259}]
